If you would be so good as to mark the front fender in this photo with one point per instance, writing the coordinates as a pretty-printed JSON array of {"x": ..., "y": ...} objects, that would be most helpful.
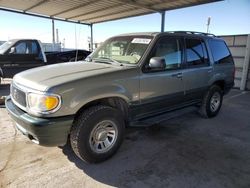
[
  {"x": 100, "y": 93},
  {"x": 124, "y": 84}
]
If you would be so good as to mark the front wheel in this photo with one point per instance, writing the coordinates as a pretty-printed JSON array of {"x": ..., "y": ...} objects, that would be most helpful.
[
  {"x": 97, "y": 133},
  {"x": 212, "y": 102}
]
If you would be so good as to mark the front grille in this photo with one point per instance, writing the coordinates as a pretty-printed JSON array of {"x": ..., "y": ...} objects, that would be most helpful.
[{"x": 18, "y": 96}]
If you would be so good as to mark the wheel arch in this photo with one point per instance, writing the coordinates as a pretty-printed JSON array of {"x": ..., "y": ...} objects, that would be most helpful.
[
  {"x": 113, "y": 101},
  {"x": 220, "y": 83}
]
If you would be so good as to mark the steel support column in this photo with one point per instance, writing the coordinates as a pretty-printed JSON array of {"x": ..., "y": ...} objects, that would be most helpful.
[
  {"x": 162, "y": 21},
  {"x": 53, "y": 33},
  {"x": 91, "y": 37}
]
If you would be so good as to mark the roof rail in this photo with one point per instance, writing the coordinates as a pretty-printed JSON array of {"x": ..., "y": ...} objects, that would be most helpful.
[{"x": 192, "y": 32}]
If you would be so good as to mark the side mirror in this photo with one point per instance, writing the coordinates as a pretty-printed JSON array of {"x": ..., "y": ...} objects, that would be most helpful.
[
  {"x": 12, "y": 50},
  {"x": 157, "y": 63}
]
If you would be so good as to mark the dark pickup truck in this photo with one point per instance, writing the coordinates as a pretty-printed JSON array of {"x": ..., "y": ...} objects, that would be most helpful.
[{"x": 22, "y": 54}]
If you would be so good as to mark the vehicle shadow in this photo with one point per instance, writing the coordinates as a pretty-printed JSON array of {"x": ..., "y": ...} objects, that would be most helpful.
[
  {"x": 170, "y": 154},
  {"x": 115, "y": 170}
]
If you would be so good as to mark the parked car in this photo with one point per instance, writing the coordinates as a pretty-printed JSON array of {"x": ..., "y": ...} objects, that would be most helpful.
[
  {"x": 131, "y": 80},
  {"x": 19, "y": 55}
]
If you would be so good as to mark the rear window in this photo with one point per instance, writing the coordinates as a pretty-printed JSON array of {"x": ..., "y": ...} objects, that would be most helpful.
[{"x": 220, "y": 52}]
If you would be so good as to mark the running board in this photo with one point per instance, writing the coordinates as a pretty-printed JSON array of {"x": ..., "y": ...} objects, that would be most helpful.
[{"x": 163, "y": 117}]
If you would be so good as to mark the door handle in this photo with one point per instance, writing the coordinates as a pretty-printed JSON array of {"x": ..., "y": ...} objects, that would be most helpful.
[{"x": 178, "y": 75}]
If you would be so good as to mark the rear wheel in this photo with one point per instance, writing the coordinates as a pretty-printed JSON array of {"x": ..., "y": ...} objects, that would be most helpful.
[
  {"x": 97, "y": 133},
  {"x": 212, "y": 102}
]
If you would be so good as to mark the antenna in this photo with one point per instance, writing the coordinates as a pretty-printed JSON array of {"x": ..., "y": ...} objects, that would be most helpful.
[{"x": 208, "y": 23}]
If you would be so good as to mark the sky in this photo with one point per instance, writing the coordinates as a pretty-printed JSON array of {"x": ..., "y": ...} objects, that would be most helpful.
[{"x": 227, "y": 18}]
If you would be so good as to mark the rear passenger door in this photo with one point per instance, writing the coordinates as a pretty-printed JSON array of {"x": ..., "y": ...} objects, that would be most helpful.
[{"x": 198, "y": 70}]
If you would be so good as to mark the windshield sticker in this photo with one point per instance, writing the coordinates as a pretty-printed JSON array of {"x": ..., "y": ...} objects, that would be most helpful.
[{"x": 141, "y": 41}]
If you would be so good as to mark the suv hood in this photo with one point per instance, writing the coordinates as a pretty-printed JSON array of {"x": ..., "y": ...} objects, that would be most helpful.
[{"x": 44, "y": 77}]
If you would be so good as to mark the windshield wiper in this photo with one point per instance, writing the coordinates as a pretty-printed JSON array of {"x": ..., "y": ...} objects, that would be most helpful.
[{"x": 107, "y": 58}]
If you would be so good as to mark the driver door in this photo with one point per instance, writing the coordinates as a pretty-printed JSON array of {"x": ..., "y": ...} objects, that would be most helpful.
[{"x": 161, "y": 90}]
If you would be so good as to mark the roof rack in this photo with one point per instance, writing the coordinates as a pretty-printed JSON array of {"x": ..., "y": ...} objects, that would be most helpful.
[{"x": 193, "y": 32}]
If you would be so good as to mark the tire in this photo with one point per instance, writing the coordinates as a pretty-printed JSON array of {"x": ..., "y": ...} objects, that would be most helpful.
[
  {"x": 97, "y": 133},
  {"x": 211, "y": 102}
]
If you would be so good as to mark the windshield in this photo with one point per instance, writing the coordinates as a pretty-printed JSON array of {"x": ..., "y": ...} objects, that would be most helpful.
[
  {"x": 5, "y": 46},
  {"x": 124, "y": 49}
]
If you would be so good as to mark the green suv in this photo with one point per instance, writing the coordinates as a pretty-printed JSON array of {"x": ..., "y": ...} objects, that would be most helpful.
[{"x": 131, "y": 80}]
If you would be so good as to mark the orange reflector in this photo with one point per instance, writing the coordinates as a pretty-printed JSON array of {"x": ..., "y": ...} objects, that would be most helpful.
[{"x": 51, "y": 102}]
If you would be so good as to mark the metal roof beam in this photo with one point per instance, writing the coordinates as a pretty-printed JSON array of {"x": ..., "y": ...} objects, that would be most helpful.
[
  {"x": 185, "y": 5},
  {"x": 121, "y": 2},
  {"x": 76, "y": 7},
  {"x": 119, "y": 18},
  {"x": 137, "y": 5},
  {"x": 36, "y": 5},
  {"x": 143, "y": 8},
  {"x": 42, "y": 16},
  {"x": 159, "y": 11},
  {"x": 94, "y": 11},
  {"x": 108, "y": 14}
]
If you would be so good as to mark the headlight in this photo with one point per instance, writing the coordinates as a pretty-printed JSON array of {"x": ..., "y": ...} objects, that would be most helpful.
[{"x": 43, "y": 103}]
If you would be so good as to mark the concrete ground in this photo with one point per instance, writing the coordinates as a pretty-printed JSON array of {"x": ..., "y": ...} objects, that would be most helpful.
[{"x": 184, "y": 152}]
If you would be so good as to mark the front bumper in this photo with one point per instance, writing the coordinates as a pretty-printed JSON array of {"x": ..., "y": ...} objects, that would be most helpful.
[{"x": 43, "y": 131}]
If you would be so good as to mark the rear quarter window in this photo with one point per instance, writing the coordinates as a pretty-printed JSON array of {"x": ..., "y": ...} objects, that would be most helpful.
[{"x": 220, "y": 52}]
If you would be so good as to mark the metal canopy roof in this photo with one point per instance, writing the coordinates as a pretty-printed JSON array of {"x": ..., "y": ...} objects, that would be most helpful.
[{"x": 94, "y": 11}]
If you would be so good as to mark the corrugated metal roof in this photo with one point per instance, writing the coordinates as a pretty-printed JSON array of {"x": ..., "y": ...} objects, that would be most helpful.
[{"x": 96, "y": 11}]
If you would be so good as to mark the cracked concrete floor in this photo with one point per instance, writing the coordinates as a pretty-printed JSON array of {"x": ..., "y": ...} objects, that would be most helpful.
[{"x": 185, "y": 152}]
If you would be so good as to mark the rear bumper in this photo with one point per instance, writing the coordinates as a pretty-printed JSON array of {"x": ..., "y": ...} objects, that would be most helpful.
[{"x": 43, "y": 131}]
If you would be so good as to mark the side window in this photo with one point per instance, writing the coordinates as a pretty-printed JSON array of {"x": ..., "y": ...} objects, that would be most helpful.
[
  {"x": 170, "y": 50},
  {"x": 220, "y": 52},
  {"x": 21, "y": 48},
  {"x": 196, "y": 53},
  {"x": 34, "y": 49}
]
